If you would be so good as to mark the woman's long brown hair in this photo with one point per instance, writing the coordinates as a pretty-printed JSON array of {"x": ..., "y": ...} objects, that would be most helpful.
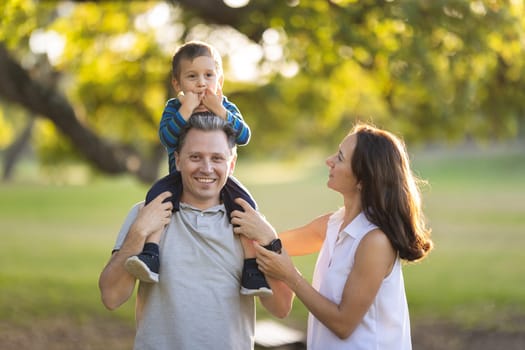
[{"x": 390, "y": 193}]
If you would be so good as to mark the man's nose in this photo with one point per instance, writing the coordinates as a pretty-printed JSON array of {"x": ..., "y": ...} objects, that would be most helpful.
[{"x": 206, "y": 166}]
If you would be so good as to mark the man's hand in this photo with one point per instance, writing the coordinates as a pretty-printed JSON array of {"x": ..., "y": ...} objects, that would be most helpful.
[
  {"x": 154, "y": 216},
  {"x": 252, "y": 224}
]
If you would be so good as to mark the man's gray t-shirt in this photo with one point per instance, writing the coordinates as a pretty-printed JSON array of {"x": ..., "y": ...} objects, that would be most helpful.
[{"x": 197, "y": 303}]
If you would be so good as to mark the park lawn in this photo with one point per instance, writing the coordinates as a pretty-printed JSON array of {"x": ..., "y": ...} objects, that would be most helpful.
[{"x": 56, "y": 239}]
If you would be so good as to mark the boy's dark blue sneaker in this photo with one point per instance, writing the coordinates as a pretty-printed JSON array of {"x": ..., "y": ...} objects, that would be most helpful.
[
  {"x": 253, "y": 281},
  {"x": 144, "y": 266}
]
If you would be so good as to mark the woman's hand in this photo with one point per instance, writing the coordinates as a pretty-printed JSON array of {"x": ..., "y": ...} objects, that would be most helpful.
[
  {"x": 252, "y": 224},
  {"x": 278, "y": 266}
]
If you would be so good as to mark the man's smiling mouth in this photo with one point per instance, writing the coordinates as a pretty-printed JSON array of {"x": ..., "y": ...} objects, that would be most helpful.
[{"x": 206, "y": 180}]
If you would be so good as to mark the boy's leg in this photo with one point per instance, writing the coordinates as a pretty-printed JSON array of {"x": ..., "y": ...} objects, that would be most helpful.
[
  {"x": 146, "y": 265},
  {"x": 172, "y": 183},
  {"x": 234, "y": 189},
  {"x": 253, "y": 281}
]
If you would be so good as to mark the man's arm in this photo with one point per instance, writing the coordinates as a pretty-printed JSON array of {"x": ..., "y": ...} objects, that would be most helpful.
[
  {"x": 115, "y": 283},
  {"x": 253, "y": 225},
  {"x": 280, "y": 303}
]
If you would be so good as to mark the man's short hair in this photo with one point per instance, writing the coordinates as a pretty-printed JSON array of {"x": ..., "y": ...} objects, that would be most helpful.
[{"x": 207, "y": 121}]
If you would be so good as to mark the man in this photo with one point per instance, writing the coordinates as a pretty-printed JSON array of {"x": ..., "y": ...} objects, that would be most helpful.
[{"x": 196, "y": 304}]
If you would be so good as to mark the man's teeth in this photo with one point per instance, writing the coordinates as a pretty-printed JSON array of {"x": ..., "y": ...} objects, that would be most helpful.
[{"x": 205, "y": 180}]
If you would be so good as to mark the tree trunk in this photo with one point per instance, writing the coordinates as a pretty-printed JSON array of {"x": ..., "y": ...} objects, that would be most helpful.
[
  {"x": 15, "y": 150},
  {"x": 17, "y": 86}
]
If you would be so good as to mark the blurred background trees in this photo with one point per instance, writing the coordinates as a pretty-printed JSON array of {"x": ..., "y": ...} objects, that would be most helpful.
[{"x": 87, "y": 81}]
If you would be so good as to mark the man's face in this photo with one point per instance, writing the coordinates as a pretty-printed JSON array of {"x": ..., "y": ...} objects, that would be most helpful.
[{"x": 205, "y": 162}]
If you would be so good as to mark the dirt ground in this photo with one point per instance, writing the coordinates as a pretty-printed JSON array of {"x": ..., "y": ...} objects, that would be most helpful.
[{"x": 63, "y": 334}]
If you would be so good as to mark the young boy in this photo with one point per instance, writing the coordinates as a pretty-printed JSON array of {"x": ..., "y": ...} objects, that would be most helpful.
[{"x": 197, "y": 77}]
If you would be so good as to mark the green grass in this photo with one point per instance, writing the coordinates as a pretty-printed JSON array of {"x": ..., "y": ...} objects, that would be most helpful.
[{"x": 56, "y": 239}]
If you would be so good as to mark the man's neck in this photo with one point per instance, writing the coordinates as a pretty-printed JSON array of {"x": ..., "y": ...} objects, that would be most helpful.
[{"x": 199, "y": 204}]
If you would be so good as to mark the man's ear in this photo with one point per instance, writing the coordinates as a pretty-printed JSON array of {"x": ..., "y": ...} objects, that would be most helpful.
[
  {"x": 176, "y": 160},
  {"x": 232, "y": 165}
]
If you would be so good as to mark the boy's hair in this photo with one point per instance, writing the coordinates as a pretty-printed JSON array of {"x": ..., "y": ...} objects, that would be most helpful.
[
  {"x": 190, "y": 51},
  {"x": 208, "y": 121}
]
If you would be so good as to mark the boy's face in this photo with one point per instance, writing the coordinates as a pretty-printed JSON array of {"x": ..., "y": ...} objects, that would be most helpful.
[
  {"x": 197, "y": 76},
  {"x": 205, "y": 161}
]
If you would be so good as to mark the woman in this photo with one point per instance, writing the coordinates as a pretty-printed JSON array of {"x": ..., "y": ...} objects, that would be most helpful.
[{"x": 357, "y": 299}]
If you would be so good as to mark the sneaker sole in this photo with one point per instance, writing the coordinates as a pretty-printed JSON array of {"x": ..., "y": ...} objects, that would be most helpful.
[
  {"x": 138, "y": 269},
  {"x": 261, "y": 292}
]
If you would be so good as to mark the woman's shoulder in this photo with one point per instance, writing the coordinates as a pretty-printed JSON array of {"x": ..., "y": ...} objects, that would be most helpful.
[{"x": 376, "y": 241}]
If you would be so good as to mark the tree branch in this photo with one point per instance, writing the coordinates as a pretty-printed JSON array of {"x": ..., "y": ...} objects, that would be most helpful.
[{"x": 17, "y": 86}]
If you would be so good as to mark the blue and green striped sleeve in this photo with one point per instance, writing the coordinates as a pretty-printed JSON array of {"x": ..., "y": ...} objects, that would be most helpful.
[
  {"x": 172, "y": 122},
  {"x": 234, "y": 117}
]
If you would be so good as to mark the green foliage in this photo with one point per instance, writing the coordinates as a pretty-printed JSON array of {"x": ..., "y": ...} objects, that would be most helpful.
[
  {"x": 18, "y": 21},
  {"x": 120, "y": 73},
  {"x": 429, "y": 70}
]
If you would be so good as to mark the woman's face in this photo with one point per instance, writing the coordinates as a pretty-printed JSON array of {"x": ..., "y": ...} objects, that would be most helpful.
[{"x": 340, "y": 176}]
